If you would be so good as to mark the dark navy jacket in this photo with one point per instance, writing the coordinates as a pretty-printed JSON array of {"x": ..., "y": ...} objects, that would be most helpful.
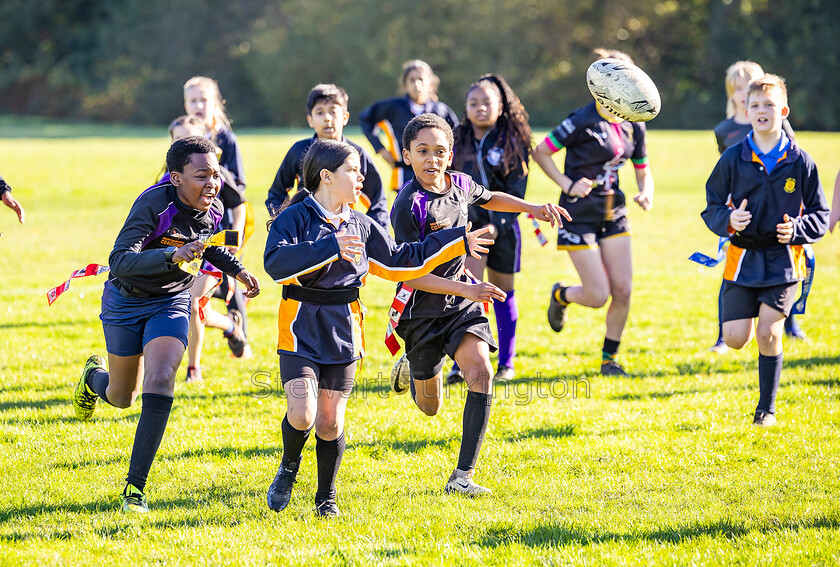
[
  {"x": 231, "y": 157},
  {"x": 416, "y": 216},
  {"x": 157, "y": 220},
  {"x": 4, "y": 187},
  {"x": 484, "y": 160},
  {"x": 302, "y": 250},
  {"x": 793, "y": 187},
  {"x": 391, "y": 116},
  {"x": 290, "y": 175}
]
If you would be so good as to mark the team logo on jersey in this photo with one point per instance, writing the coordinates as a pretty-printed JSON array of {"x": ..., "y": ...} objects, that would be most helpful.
[
  {"x": 494, "y": 156},
  {"x": 437, "y": 219},
  {"x": 568, "y": 125},
  {"x": 790, "y": 185}
]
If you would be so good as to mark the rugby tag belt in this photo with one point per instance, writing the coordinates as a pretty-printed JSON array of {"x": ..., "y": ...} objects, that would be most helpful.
[
  {"x": 708, "y": 261},
  {"x": 540, "y": 236},
  {"x": 394, "y": 314},
  {"x": 89, "y": 270}
]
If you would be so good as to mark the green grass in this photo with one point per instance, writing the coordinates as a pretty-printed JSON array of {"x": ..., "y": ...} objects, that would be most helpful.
[{"x": 663, "y": 467}]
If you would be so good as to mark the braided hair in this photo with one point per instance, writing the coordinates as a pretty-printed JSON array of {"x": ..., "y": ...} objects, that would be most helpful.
[{"x": 514, "y": 131}]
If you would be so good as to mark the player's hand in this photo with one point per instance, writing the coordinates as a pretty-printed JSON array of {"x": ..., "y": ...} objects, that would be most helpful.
[
  {"x": 551, "y": 213},
  {"x": 740, "y": 218},
  {"x": 188, "y": 252},
  {"x": 475, "y": 243},
  {"x": 580, "y": 188},
  {"x": 251, "y": 283},
  {"x": 484, "y": 291},
  {"x": 12, "y": 203},
  {"x": 644, "y": 199},
  {"x": 350, "y": 245},
  {"x": 833, "y": 219},
  {"x": 784, "y": 230},
  {"x": 386, "y": 155}
]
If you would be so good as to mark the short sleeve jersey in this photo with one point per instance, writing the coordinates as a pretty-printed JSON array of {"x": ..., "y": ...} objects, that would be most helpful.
[
  {"x": 596, "y": 148},
  {"x": 418, "y": 213}
]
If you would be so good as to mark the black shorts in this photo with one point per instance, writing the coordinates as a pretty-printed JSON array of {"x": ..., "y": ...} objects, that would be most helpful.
[
  {"x": 595, "y": 217},
  {"x": 428, "y": 341},
  {"x": 740, "y": 302},
  {"x": 505, "y": 252},
  {"x": 336, "y": 377}
]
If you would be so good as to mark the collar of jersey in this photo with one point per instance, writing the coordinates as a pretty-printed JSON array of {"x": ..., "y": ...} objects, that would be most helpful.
[{"x": 332, "y": 218}]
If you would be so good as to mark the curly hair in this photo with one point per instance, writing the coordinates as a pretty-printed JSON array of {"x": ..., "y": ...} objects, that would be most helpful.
[{"x": 515, "y": 136}]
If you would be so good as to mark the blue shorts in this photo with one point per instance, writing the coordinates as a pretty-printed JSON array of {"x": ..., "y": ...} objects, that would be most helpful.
[{"x": 131, "y": 322}]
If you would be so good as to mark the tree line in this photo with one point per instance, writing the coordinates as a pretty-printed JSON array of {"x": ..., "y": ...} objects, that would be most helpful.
[{"x": 126, "y": 60}]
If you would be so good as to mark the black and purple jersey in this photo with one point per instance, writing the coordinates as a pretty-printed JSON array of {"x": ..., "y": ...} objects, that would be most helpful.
[
  {"x": 390, "y": 116},
  {"x": 158, "y": 219},
  {"x": 484, "y": 160},
  {"x": 596, "y": 148},
  {"x": 728, "y": 132},
  {"x": 416, "y": 214},
  {"x": 4, "y": 187},
  {"x": 290, "y": 174}
]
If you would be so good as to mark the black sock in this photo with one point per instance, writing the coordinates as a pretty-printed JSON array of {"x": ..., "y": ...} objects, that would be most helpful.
[
  {"x": 769, "y": 372},
  {"x": 329, "y": 454},
  {"x": 293, "y": 442},
  {"x": 720, "y": 313},
  {"x": 476, "y": 416},
  {"x": 98, "y": 380},
  {"x": 150, "y": 428},
  {"x": 610, "y": 349},
  {"x": 237, "y": 301}
]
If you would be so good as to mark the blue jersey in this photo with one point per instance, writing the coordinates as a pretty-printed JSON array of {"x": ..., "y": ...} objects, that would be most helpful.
[
  {"x": 302, "y": 250},
  {"x": 755, "y": 258},
  {"x": 290, "y": 174}
]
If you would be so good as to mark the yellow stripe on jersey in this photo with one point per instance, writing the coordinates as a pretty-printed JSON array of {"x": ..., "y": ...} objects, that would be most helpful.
[
  {"x": 390, "y": 273},
  {"x": 287, "y": 314},
  {"x": 734, "y": 257}
]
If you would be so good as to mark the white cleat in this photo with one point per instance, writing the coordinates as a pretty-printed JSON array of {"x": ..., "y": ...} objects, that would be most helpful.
[{"x": 461, "y": 482}]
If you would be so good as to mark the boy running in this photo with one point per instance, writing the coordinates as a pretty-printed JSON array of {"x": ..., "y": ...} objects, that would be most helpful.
[{"x": 766, "y": 195}]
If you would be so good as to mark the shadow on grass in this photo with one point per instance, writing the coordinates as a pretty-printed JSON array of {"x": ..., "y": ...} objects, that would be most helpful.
[
  {"x": 551, "y": 535},
  {"x": 812, "y": 361},
  {"x": 643, "y": 396},
  {"x": 203, "y": 454},
  {"x": 544, "y": 433},
  {"x": 13, "y": 405},
  {"x": 39, "y": 325},
  {"x": 404, "y": 446}
]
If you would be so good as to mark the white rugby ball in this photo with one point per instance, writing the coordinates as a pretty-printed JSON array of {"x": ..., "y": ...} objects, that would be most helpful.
[{"x": 623, "y": 89}]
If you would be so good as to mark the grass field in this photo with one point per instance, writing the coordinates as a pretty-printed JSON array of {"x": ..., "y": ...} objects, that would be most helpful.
[{"x": 662, "y": 467}]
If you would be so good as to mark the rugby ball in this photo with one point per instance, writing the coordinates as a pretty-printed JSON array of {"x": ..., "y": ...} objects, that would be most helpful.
[{"x": 623, "y": 89}]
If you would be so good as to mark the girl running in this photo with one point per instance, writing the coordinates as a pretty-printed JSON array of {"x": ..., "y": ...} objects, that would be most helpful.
[
  {"x": 203, "y": 100},
  {"x": 598, "y": 239},
  {"x": 146, "y": 301},
  {"x": 391, "y": 115},
  {"x": 321, "y": 250},
  {"x": 492, "y": 145}
]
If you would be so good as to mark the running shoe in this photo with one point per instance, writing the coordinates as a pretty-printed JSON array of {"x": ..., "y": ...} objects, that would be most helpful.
[
  {"x": 612, "y": 368},
  {"x": 133, "y": 501},
  {"x": 84, "y": 399},
  {"x": 504, "y": 374},
  {"x": 401, "y": 376},
  {"x": 236, "y": 338},
  {"x": 326, "y": 508},
  {"x": 455, "y": 376},
  {"x": 194, "y": 375},
  {"x": 280, "y": 491},
  {"x": 719, "y": 347},
  {"x": 556, "y": 310},
  {"x": 461, "y": 482},
  {"x": 764, "y": 419}
]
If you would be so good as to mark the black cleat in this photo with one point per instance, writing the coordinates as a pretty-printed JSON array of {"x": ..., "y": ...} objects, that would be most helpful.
[
  {"x": 236, "y": 338},
  {"x": 455, "y": 376},
  {"x": 612, "y": 368},
  {"x": 280, "y": 491},
  {"x": 326, "y": 508},
  {"x": 556, "y": 310},
  {"x": 764, "y": 419}
]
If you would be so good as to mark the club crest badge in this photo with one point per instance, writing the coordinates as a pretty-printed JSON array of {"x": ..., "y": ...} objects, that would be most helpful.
[
  {"x": 790, "y": 185},
  {"x": 494, "y": 156}
]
